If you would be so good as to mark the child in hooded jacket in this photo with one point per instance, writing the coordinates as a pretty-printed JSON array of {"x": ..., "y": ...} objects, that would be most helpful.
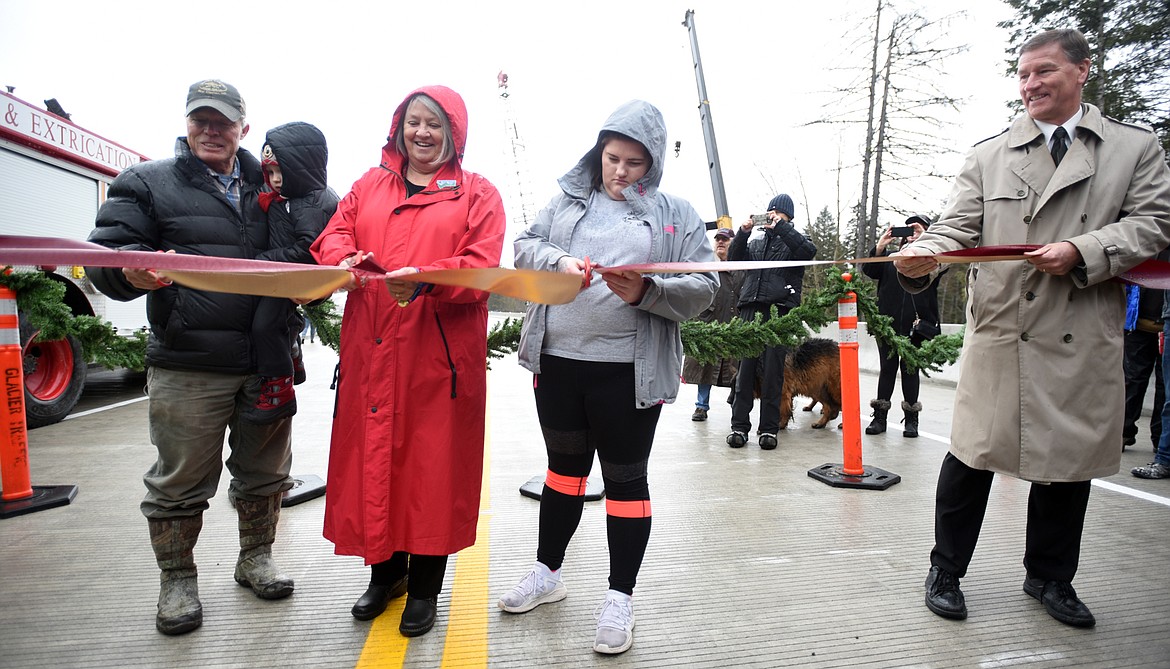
[{"x": 298, "y": 206}]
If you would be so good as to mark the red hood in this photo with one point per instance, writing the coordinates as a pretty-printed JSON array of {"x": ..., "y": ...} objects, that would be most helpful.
[{"x": 456, "y": 111}]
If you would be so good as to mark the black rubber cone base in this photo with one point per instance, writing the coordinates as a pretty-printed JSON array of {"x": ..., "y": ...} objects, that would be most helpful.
[
  {"x": 872, "y": 478},
  {"x": 535, "y": 486},
  {"x": 305, "y": 488},
  {"x": 43, "y": 497}
]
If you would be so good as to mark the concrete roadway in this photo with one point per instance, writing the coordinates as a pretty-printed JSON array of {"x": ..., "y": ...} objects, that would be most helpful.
[{"x": 751, "y": 562}]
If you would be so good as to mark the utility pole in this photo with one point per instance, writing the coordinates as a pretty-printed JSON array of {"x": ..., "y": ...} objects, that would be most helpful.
[
  {"x": 522, "y": 210},
  {"x": 723, "y": 217}
]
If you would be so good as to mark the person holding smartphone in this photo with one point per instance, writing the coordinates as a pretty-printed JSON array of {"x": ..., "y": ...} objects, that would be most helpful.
[
  {"x": 904, "y": 309},
  {"x": 761, "y": 290}
]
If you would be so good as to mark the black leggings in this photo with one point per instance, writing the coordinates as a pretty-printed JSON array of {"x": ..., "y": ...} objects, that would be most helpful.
[
  {"x": 889, "y": 369},
  {"x": 587, "y": 407}
]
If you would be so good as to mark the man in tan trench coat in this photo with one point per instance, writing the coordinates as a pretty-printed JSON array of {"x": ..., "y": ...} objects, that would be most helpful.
[{"x": 1041, "y": 388}]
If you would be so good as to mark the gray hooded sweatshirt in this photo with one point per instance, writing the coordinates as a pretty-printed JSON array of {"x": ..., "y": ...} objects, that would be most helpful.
[{"x": 677, "y": 235}]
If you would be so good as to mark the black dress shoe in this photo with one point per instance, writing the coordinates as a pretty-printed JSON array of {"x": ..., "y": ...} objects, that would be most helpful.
[
  {"x": 419, "y": 616},
  {"x": 1060, "y": 601},
  {"x": 943, "y": 595},
  {"x": 376, "y": 598}
]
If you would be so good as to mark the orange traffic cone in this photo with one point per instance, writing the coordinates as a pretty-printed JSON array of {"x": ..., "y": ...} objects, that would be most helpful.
[
  {"x": 18, "y": 496},
  {"x": 851, "y": 474}
]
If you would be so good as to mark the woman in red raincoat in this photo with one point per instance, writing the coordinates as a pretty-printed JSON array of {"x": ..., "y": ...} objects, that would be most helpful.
[{"x": 406, "y": 455}]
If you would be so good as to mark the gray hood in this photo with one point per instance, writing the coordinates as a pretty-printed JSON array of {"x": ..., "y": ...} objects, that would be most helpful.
[{"x": 640, "y": 121}]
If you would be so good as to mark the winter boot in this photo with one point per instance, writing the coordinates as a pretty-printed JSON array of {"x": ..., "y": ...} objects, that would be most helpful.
[
  {"x": 275, "y": 399},
  {"x": 910, "y": 428},
  {"x": 880, "y": 409},
  {"x": 255, "y": 568},
  {"x": 173, "y": 541}
]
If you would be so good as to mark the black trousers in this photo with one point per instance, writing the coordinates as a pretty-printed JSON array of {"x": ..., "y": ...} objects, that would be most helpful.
[
  {"x": 769, "y": 368},
  {"x": 1141, "y": 358},
  {"x": 889, "y": 370},
  {"x": 1056, "y": 519},
  {"x": 426, "y": 573}
]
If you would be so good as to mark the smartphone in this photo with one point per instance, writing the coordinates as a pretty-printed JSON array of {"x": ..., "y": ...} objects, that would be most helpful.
[
  {"x": 902, "y": 231},
  {"x": 760, "y": 219}
]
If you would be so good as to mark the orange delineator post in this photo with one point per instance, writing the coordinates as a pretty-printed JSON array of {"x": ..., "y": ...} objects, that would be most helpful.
[
  {"x": 851, "y": 473},
  {"x": 14, "y": 469},
  {"x": 850, "y": 393},
  {"x": 19, "y": 497}
]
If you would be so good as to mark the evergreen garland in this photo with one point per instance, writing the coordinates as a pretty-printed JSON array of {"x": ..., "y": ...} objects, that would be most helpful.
[
  {"x": 323, "y": 315},
  {"x": 502, "y": 339},
  {"x": 41, "y": 301},
  {"x": 709, "y": 342}
]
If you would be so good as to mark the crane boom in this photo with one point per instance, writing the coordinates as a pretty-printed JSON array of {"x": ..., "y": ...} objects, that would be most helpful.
[{"x": 722, "y": 212}]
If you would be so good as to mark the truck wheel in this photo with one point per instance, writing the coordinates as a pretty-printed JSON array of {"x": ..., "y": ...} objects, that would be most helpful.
[{"x": 54, "y": 376}]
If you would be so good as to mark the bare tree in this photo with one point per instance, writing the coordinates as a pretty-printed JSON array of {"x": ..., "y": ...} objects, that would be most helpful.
[{"x": 904, "y": 110}]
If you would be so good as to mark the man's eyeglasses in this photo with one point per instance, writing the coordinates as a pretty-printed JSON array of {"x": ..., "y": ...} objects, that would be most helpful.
[{"x": 209, "y": 124}]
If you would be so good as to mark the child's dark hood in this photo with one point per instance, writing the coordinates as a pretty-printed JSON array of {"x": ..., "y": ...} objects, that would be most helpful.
[{"x": 300, "y": 150}]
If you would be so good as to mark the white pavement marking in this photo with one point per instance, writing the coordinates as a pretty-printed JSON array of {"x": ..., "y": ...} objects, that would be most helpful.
[
  {"x": 80, "y": 414},
  {"x": 1149, "y": 497},
  {"x": 1114, "y": 487}
]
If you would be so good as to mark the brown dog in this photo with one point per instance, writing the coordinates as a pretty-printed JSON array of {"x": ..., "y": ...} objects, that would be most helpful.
[{"x": 813, "y": 370}]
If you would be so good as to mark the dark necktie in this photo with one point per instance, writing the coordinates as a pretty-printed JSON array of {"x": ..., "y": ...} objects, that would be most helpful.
[{"x": 1059, "y": 145}]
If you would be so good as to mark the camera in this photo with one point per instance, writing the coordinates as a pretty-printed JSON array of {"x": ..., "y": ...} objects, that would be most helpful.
[
  {"x": 760, "y": 219},
  {"x": 902, "y": 231}
]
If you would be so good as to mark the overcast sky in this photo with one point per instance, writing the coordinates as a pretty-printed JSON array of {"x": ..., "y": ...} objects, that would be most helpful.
[{"x": 122, "y": 68}]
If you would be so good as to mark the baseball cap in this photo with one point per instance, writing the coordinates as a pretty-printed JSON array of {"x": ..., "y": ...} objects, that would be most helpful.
[
  {"x": 218, "y": 95},
  {"x": 724, "y": 233},
  {"x": 919, "y": 218}
]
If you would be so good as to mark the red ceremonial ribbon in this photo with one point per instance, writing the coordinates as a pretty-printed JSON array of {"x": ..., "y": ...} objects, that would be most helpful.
[{"x": 292, "y": 280}]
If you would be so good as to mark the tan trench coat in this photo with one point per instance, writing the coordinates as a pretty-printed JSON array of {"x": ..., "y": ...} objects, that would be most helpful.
[{"x": 1041, "y": 389}]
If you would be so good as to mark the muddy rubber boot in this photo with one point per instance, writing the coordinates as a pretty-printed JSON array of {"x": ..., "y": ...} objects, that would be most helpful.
[
  {"x": 173, "y": 541},
  {"x": 255, "y": 568},
  {"x": 910, "y": 428},
  {"x": 881, "y": 408}
]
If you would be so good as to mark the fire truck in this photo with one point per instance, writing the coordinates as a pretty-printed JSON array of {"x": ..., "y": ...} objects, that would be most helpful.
[{"x": 55, "y": 177}]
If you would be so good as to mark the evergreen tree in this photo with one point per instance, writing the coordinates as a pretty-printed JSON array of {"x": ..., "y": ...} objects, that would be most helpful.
[
  {"x": 823, "y": 233},
  {"x": 1129, "y": 77}
]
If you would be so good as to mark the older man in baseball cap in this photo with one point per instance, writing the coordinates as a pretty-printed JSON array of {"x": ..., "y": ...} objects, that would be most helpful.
[
  {"x": 722, "y": 310},
  {"x": 215, "y": 123},
  {"x": 200, "y": 359}
]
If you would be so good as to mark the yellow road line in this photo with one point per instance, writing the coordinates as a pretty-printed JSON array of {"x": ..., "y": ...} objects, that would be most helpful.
[
  {"x": 385, "y": 648},
  {"x": 466, "y": 642},
  {"x": 467, "y": 629}
]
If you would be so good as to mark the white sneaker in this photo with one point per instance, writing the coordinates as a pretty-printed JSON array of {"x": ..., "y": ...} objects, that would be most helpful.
[
  {"x": 615, "y": 624},
  {"x": 532, "y": 591}
]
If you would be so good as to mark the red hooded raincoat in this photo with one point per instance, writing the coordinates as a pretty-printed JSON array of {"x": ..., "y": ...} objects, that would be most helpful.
[{"x": 406, "y": 456}]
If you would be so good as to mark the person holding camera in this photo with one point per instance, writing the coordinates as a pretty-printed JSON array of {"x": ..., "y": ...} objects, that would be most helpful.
[
  {"x": 776, "y": 239},
  {"x": 914, "y": 316}
]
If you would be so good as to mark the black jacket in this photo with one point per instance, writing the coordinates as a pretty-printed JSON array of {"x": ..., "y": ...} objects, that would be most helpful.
[
  {"x": 764, "y": 287},
  {"x": 895, "y": 302},
  {"x": 307, "y": 201},
  {"x": 172, "y": 203}
]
